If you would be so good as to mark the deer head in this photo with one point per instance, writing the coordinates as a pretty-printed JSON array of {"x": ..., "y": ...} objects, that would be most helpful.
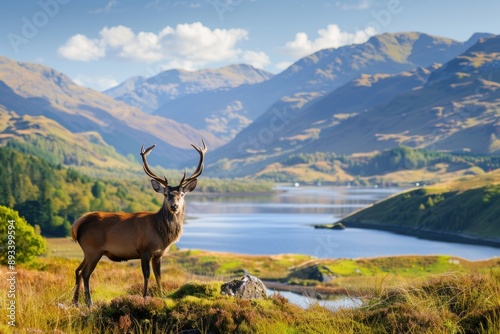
[{"x": 174, "y": 196}]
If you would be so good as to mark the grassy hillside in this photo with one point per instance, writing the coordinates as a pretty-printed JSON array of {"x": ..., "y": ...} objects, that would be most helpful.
[
  {"x": 401, "y": 164},
  {"x": 49, "y": 140},
  {"x": 35, "y": 90},
  {"x": 464, "y": 210},
  {"x": 458, "y": 297}
]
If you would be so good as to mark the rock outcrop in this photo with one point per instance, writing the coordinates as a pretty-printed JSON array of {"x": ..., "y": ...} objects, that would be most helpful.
[{"x": 247, "y": 287}]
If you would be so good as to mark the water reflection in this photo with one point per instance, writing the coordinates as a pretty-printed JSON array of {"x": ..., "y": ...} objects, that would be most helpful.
[{"x": 306, "y": 301}]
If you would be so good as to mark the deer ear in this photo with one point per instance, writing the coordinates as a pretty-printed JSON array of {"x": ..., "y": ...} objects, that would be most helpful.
[
  {"x": 157, "y": 186},
  {"x": 190, "y": 186}
]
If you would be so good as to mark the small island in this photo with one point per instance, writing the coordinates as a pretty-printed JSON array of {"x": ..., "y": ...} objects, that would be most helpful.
[{"x": 335, "y": 226}]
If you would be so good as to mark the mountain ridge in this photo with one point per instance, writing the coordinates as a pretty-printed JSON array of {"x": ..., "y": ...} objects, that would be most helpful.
[
  {"x": 459, "y": 112},
  {"x": 36, "y": 90},
  {"x": 318, "y": 73},
  {"x": 148, "y": 94}
]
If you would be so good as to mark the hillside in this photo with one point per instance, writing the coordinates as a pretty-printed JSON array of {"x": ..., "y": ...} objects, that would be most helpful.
[
  {"x": 42, "y": 136},
  {"x": 36, "y": 90},
  {"x": 457, "y": 109},
  {"x": 466, "y": 210},
  {"x": 446, "y": 108},
  {"x": 303, "y": 123},
  {"x": 148, "y": 94},
  {"x": 402, "y": 165},
  {"x": 311, "y": 76}
]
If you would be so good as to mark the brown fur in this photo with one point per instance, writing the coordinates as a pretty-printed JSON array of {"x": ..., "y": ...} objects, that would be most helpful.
[{"x": 127, "y": 236}]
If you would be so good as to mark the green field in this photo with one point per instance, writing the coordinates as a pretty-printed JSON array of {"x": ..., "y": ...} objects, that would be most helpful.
[{"x": 403, "y": 294}]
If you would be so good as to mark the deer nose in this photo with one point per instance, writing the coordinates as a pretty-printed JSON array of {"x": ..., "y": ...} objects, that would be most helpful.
[{"x": 174, "y": 207}]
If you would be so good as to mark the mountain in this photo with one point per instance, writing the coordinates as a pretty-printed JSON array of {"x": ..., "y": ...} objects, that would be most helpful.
[
  {"x": 35, "y": 90},
  {"x": 225, "y": 113},
  {"x": 46, "y": 138},
  {"x": 150, "y": 94},
  {"x": 454, "y": 107},
  {"x": 288, "y": 126},
  {"x": 355, "y": 97},
  {"x": 458, "y": 109}
]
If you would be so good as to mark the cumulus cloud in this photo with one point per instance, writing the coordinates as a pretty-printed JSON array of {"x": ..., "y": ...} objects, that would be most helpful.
[
  {"x": 99, "y": 83},
  {"x": 81, "y": 48},
  {"x": 190, "y": 45},
  {"x": 330, "y": 37},
  {"x": 256, "y": 59}
]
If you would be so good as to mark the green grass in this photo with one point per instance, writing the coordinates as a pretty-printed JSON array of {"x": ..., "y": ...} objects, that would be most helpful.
[
  {"x": 469, "y": 206},
  {"x": 451, "y": 302},
  {"x": 299, "y": 269}
]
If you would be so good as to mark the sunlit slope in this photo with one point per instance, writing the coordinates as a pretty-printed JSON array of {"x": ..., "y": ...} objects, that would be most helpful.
[
  {"x": 36, "y": 90},
  {"x": 466, "y": 209},
  {"x": 43, "y": 137}
]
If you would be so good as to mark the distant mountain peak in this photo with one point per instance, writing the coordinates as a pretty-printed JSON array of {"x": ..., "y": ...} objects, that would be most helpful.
[
  {"x": 476, "y": 37},
  {"x": 151, "y": 93}
]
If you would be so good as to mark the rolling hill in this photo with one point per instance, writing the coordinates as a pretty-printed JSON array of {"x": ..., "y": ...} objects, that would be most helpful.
[
  {"x": 466, "y": 210},
  {"x": 35, "y": 90},
  {"x": 46, "y": 138}
]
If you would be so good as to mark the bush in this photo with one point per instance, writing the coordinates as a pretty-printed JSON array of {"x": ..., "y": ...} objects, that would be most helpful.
[{"x": 19, "y": 240}]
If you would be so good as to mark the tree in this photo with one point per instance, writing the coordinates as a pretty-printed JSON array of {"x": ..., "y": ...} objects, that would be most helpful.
[{"x": 15, "y": 232}]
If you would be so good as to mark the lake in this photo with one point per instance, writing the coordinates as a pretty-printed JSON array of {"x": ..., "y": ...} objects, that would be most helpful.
[{"x": 281, "y": 223}]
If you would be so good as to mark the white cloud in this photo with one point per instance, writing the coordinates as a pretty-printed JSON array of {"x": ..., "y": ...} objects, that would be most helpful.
[
  {"x": 99, "y": 83},
  {"x": 192, "y": 45},
  {"x": 256, "y": 59},
  {"x": 330, "y": 37},
  {"x": 81, "y": 48},
  {"x": 360, "y": 5},
  {"x": 177, "y": 63},
  {"x": 106, "y": 9},
  {"x": 281, "y": 66}
]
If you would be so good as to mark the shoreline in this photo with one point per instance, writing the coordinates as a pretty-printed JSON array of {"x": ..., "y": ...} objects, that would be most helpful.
[
  {"x": 317, "y": 292},
  {"x": 236, "y": 194},
  {"x": 426, "y": 234}
]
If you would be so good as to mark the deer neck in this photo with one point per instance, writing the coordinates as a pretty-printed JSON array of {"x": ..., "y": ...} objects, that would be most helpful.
[{"x": 169, "y": 224}]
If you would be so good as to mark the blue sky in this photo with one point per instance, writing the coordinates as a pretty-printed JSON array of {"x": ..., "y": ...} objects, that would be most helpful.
[{"x": 101, "y": 43}]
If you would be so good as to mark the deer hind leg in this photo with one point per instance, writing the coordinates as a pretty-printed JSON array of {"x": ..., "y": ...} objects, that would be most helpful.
[
  {"x": 78, "y": 284},
  {"x": 88, "y": 268},
  {"x": 146, "y": 271},
  {"x": 156, "y": 262}
]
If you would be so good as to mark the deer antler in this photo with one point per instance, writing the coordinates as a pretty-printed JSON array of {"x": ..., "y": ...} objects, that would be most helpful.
[
  {"x": 199, "y": 169},
  {"x": 146, "y": 168}
]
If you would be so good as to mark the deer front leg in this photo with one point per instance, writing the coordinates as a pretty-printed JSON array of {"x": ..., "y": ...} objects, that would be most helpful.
[
  {"x": 156, "y": 262},
  {"x": 146, "y": 270}
]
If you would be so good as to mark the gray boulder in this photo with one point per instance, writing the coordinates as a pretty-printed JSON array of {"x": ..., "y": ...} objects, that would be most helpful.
[{"x": 247, "y": 287}]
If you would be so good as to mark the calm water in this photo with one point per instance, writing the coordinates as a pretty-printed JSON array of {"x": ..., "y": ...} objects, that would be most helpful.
[
  {"x": 281, "y": 223},
  {"x": 306, "y": 302}
]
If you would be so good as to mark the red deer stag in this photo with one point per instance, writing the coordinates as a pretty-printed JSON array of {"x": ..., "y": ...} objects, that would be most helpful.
[{"x": 142, "y": 235}]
